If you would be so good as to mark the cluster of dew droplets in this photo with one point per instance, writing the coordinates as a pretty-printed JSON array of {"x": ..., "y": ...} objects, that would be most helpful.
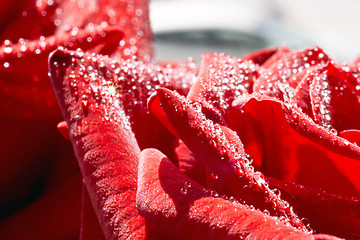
[
  {"x": 89, "y": 86},
  {"x": 353, "y": 78},
  {"x": 133, "y": 18},
  {"x": 6, "y": 48},
  {"x": 280, "y": 80},
  {"x": 124, "y": 83},
  {"x": 186, "y": 188},
  {"x": 307, "y": 59},
  {"x": 321, "y": 98},
  {"x": 295, "y": 116},
  {"x": 230, "y": 77},
  {"x": 179, "y": 76},
  {"x": 9, "y": 53}
]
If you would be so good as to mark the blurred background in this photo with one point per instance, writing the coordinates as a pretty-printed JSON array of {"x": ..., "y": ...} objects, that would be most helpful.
[{"x": 188, "y": 28}]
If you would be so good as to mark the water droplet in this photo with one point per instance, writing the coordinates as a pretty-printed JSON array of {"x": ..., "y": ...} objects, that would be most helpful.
[
  {"x": 214, "y": 193},
  {"x": 6, "y": 65},
  {"x": 213, "y": 143},
  {"x": 277, "y": 192},
  {"x": 85, "y": 104},
  {"x": 8, "y": 49},
  {"x": 57, "y": 22},
  {"x": 306, "y": 222},
  {"x": 7, "y": 42},
  {"x": 97, "y": 96},
  {"x": 333, "y": 131},
  {"x": 250, "y": 159},
  {"x": 214, "y": 176},
  {"x": 184, "y": 190}
]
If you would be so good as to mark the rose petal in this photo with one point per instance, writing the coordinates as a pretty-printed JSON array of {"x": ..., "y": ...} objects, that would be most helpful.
[
  {"x": 279, "y": 78},
  {"x": 260, "y": 56},
  {"x": 297, "y": 149},
  {"x": 220, "y": 80},
  {"x": 134, "y": 82},
  {"x": 334, "y": 104},
  {"x": 221, "y": 150},
  {"x": 63, "y": 129},
  {"x": 132, "y": 17},
  {"x": 191, "y": 166},
  {"x": 302, "y": 92},
  {"x": 154, "y": 106},
  {"x": 182, "y": 209},
  {"x": 352, "y": 135},
  {"x": 183, "y": 74},
  {"x": 283, "y": 50},
  {"x": 100, "y": 133}
]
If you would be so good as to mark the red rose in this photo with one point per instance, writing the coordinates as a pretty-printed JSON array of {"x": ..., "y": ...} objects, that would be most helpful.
[
  {"x": 219, "y": 159},
  {"x": 259, "y": 147}
]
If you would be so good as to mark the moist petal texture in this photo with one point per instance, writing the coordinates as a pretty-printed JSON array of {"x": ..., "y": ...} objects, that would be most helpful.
[
  {"x": 183, "y": 209},
  {"x": 105, "y": 148}
]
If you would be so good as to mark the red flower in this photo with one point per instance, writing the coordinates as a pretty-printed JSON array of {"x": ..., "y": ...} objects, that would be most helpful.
[
  {"x": 259, "y": 147},
  {"x": 101, "y": 116}
]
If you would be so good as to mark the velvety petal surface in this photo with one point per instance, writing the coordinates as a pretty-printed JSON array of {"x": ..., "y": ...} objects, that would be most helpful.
[
  {"x": 183, "y": 209},
  {"x": 104, "y": 145},
  {"x": 260, "y": 56}
]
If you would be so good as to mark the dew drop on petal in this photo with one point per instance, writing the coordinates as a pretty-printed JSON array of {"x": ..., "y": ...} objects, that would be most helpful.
[
  {"x": 214, "y": 193},
  {"x": 8, "y": 49},
  {"x": 7, "y": 42},
  {"x": 184, "y": 190},
  {"x": 306, "y": 222},
  {"x": 333, "y": 131},
  {"x": 214, "y": 176},
  {"x": 277, "y": 192},
  {"x": 266, "y": 212},
  {"x": 85, "y": 104}
]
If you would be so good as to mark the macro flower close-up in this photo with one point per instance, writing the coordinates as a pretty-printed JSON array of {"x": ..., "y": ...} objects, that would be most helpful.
[{"x": 102, "y": 139}]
